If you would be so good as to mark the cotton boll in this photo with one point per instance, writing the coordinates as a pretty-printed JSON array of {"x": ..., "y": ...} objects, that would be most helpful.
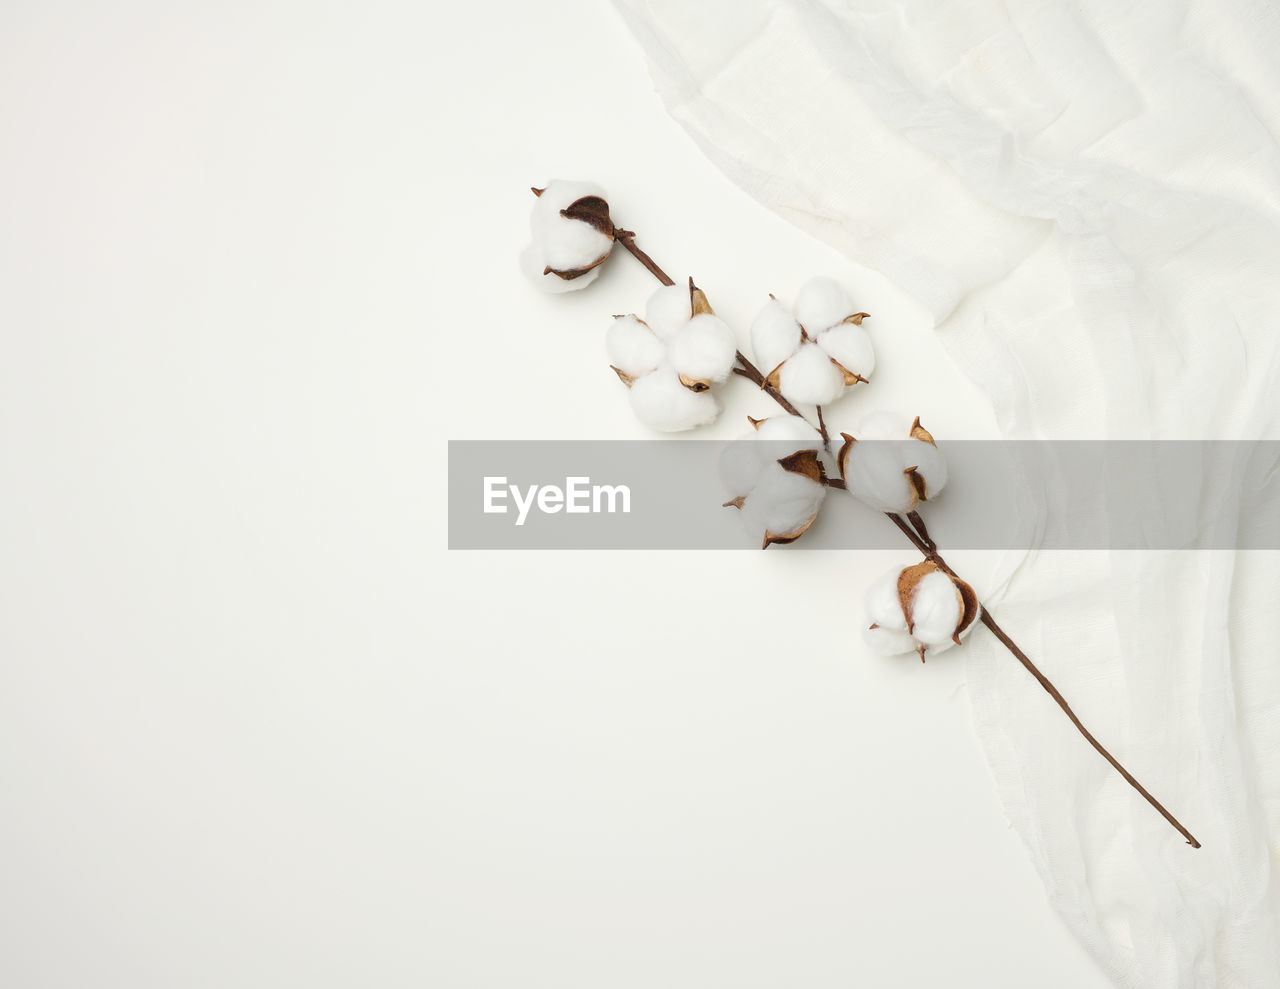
[
  {"x": 566, "y": 243},
  {"x": 701, "y": 349},
  {"x": 875, "y": 466},
  {"x": 746, "y": 459},
  {"x": 661, "y": 402},
  {"x": 808, "y": 376},
  {"x": 776, "y": 479},
  {"x": 930, "y": 464},
  {"x": 820, "y": 304},
  {"x": 704, "y": 349},
  {"x": 782, "y": 502},
  {"x": 850, "y": 346},
  {"x": 741, "y": 464},
  {"x": 533, "y": 262},
  {"x": 875, "y": 474},
  {"x": 775, "y": 335},
  {"x": 888, "y": 641},
  {"x": 668, "y": 309},
  {"x": 547, "y": 224},
  {"x": 921, "y": 608},
  {"x": 804, "y": 370},
  {"x": 936, "y": 609},
  {"x": 563, "y": 243},
  {"x": 632, "y": 347},
  {"x": 884, "y": 606}
]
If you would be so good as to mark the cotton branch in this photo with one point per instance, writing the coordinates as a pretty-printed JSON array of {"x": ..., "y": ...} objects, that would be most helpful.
[{"x": 919, "y": 537}]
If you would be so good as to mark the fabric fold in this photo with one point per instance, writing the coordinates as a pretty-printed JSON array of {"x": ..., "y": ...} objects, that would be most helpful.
[{"x": 1086, "y": 198}]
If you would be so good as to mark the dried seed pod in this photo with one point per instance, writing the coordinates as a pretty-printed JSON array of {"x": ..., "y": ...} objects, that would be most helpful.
[
  {"x": 920, "y": 608},
  {"x": 892, "y": 466},
  {"x": 814, "y": 353},
  {"x": 672, "y": 357},
  {"x": 777, "y": 478},
  {"x": 572, "y": 235}
]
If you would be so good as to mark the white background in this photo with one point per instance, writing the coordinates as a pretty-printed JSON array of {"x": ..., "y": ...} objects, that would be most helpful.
[{"x": 258, "y": 726}]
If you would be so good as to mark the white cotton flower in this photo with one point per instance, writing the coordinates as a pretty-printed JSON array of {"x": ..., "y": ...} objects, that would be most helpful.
[
  {"x": 891, "y": 466},
  {"x": 776, "y": 478},
  {"x": 809, "y": 376},
  {"x": 921, "y": 609},
  {"x": 661, "y": 402},
  {"x": 670, "y": 359},
  {"x": 633, "y": 348},
  {"x": 812, "y": 354},
  {"x": 668, "y": 309},
  {"x": 704, "y": 349},
  {"x": 572, "y": 236}
]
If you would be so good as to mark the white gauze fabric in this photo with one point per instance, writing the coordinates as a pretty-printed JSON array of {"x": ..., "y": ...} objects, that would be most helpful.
[{"x": 1087, "y": 197}]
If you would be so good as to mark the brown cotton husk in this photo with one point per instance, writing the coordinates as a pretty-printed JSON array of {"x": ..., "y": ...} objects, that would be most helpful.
[
  {"x": 737, "y": 502},
  {"x": 849, "y": 377},
  {"x": 842, "y": 457},
  {"x": 971, "y": 607},
  {"x": 788, "y": 537},
  {"x": 918, "y": 432},
  {"x": 695, "y": 384},
  {"x": 965, "y": 596},
  {"x": 593, "y": 211},
  {"x": 857, "y": 318},
  {"x": 917, "y": 486},
  {"x": 805, "y": 462},
  {"x": 698, "y": 304},
  {"x": 569, "y": 274},
  {"x": 625, "y": 378},
  {"x": 907, "y": 581}
]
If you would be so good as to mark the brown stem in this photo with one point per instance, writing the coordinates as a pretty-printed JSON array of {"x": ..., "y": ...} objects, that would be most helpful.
[
  {"x": 919, "y": 536},
  {"x": 989, "y": 621},
  {"x": 918, "y": 522},
  {"x": 627, "y": 239},
  {"x": 1009, "y": 644},
  {"x": 752, "y": 373}
]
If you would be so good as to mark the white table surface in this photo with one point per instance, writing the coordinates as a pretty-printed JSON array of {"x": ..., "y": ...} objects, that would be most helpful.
[{"x": 258, "y": 726}]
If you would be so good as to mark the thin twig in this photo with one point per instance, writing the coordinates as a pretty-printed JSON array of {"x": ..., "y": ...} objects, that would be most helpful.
[
  {"x": 752, "y": 373},
  {"x": 627, "y": 239},
  {"x": 822, "y": 428},
  {"x": 918, "y": 522}
]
